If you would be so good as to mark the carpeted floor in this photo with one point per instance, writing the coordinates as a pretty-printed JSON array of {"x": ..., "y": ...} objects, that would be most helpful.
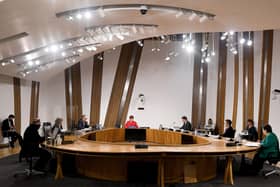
[{"x": 10, "y": 165}]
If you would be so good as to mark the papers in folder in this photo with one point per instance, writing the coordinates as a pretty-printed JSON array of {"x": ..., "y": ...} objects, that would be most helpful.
[{"x": 252, "y": 144}]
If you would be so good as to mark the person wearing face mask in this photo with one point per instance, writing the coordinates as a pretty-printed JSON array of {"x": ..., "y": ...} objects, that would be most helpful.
[{"x": 31, "y": 145}]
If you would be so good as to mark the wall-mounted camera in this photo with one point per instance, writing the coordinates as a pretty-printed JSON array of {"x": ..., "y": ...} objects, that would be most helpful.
[{"x": 143, "y": 9}]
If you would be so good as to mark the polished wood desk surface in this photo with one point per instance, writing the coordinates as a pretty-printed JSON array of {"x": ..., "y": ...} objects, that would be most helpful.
[{"x": 209, "y": 146}]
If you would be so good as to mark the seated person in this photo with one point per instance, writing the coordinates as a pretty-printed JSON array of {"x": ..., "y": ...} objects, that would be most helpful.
[
  {"x": 229, "y": 131},
  {"x": 9, "y": 130},
  {"x": 31, "y": 145},
  {"x": 82, "y": 123},
  {"x": 131, "y": 123},
  {"x": 210, "y": 124},
  {"x": 57, "y": 127},
  {"x": 252, "y": 131},
  {"x": 186, "y": 124},
  {"x": 269, "y": 148}
]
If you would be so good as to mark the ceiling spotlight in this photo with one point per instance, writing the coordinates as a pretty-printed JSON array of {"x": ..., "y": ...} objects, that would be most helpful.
[
  {"x": 61, "y": 46},
  {"x": 36, "y": 70},
  {"x": 54, "y": 48},
  {"x": 30, "y": 63},
  {"x": 203, "y": 18},
  {"x": 79, "y": 16},
  {"x": 46, "y": 49},
  {"x": 63, "y": 54},
  {"x": 190, "y": 48},
  {"x": 223, "y": 37},
  {"x": 207, "y": 59},
  {"x": 179, "y": 14},
  {"x": 114, "y": 48},
  {"x": 70, "y": 44},
  {"x": 28, "y": 57},
  {"x": 167, "y": 58},
  {"x": 234, "y": 52},
  {"x": 119, "y": 36},
  {"x": 101, "y": 12},
  {"x": 12, "y": 61},
  {"x": 140, "y": 43},
  {"x": 231, "y": 33},
  {"x": 213, "y": 53},
  {"x": 3, "y": 64},
  {"x": 242, "y": 41},
  {"x": 80, "y": 50},
  {"x": 70, "y": 18},
  {"x": 37, "y": 62},
  {"x": 249, "y": 42},
  {"x": 192, "y": 16},
  {"x": 87, "y": 15},
  {"x": 202, "y": 60}
]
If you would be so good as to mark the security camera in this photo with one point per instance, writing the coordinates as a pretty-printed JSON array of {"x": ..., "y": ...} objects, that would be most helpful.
[{"x": 143, "y": 9}]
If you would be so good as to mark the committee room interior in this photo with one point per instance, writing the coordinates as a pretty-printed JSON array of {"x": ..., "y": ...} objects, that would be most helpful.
[{"x": 158, "y": 61}]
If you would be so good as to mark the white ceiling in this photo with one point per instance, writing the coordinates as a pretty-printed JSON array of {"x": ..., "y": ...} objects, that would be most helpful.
[{"x": 37, "y": 17}]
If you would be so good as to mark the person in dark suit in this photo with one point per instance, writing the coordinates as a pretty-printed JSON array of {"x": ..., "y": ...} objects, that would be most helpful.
[
  {"x": 9, "y": 130},
  {"x": 252, "y": 131},
  {"x": 31, "y": 142},
  {"x": 82, "y": 123},
  {"x": 186, "y": 124},
  {"x": 229, "y": 131},
  {"x": 269, "y": 148}
]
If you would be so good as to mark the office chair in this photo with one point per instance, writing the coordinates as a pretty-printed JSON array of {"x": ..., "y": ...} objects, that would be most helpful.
[
  {"x": 29, "y": 158},
  {"x": 272, "y": 162}
]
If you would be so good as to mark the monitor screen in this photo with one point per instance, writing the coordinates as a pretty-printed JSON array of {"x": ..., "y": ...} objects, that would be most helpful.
[{"x": 133, "y": 135}]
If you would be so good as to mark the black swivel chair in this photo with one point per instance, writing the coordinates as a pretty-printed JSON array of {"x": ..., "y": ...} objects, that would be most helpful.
[
  {"x": 272, "y": 162},
  {"x": 24, "y": 153}
]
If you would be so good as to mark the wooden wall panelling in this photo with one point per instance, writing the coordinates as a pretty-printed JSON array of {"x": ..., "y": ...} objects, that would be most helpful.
[
  {"x": 68, "y": 96},
  {"x": 265, "y": 87},
  {"x": 196, "y": 102},
  {"x": 134, "y": 64},
  {"x": 34, "y": 101},
  {"x": 76, "y": 93},
  {"x": 221, "y": 92},
  {"x": 236, "y": 88},
  {"x": 96, "y": 89},
  {"x": 121, "y": 83},
  {"x": 248, "y": 81},
  {"x": 17, "y": 103},
  {"x": 73, "y": 95}
]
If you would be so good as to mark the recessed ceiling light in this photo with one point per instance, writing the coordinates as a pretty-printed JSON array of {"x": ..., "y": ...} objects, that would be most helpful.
[
  {"x": 87, "y": 15},
  {"x": 30, "y": 63},
  {"x": 37, "y": 62}
]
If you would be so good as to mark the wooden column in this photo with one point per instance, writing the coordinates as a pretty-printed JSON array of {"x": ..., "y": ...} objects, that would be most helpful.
[
  {"x": 236, "y": 88},
  {"x": 265, "y": 88},
  {"x": 197, "y": 83},
  {"x": 221, "y": 90},
  {"x": 248, "y": 81},
  {"x": 73, "y": 95},
  {"x": 96, "y": 89},
  {"x": 17, "y": 104},
  {"x": 123, "y": 84},
  {"x": 34, "y": 101}
]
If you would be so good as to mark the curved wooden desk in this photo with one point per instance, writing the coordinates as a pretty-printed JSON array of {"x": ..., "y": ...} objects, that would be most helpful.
[{"x": 180, "y": 157}]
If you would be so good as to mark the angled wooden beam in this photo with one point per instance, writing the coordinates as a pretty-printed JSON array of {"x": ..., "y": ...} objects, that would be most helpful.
[{"x": 96, "y": 88}]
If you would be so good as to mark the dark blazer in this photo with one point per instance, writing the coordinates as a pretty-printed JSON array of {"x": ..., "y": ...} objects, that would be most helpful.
[
  {"x": 187, "y": 126},
  {"x": 252, "y": 134},
  {"x": 82, "y": 124},
  {"x": 229, "y": 132},
  {"x": 6, "y": 126},
  {"x": 32, "y": 139}
]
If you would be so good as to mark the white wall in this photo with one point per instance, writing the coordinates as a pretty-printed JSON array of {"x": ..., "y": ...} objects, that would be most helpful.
[
  {"x": 6, "y": 96},
  {"x": 274, "y": 116},
  {"x": 167, "y": 86},
  {"x": 52, "y": 102}
]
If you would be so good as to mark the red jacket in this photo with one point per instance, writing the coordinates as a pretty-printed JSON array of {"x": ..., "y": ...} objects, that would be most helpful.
[{"x": 131, "y": 124}]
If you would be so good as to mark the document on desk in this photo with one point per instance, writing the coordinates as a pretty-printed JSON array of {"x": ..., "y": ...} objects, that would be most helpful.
[{"x": 252, "y": 144}]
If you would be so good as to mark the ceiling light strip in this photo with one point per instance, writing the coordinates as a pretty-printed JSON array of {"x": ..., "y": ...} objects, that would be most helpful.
[
  {"x": 14, "y": 37},
  {"x": 113, "y": 7}
]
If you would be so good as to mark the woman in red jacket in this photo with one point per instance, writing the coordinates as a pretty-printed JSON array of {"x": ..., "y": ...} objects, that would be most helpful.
[{"x": 131, "y": 123}]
